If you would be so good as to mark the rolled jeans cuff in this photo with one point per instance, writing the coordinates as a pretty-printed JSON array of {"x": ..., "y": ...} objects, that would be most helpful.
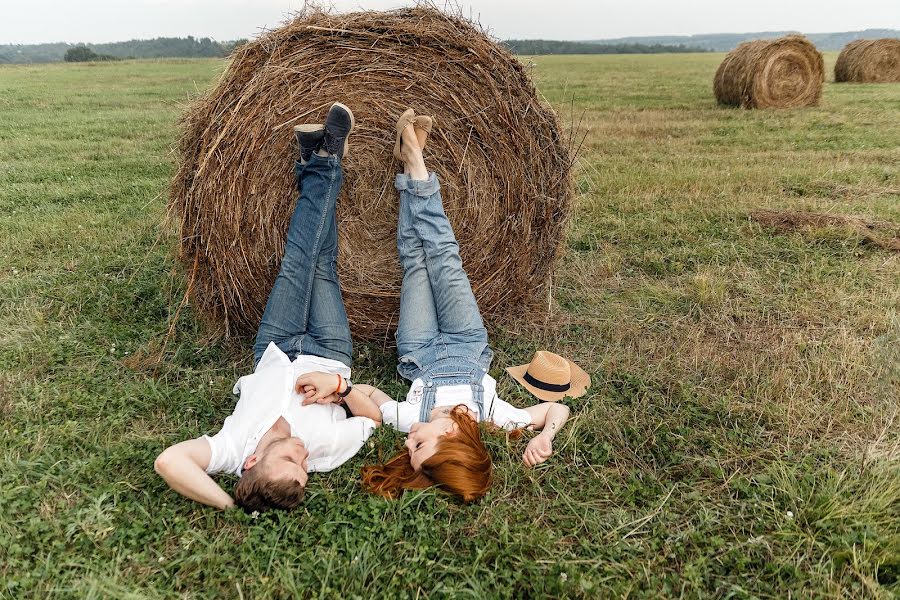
[{"x": 429, "y": 187}]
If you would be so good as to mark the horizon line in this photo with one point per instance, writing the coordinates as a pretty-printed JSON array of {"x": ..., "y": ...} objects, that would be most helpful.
[{"x": 581, "y": 41}]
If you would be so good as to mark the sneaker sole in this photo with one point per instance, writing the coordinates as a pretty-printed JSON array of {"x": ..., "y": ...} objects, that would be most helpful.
[
  {"x": 309, "y": 128},
  {"x": 352, "y": 125}
]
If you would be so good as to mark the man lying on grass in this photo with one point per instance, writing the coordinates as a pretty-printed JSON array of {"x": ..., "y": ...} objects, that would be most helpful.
[{"x": 287, "y": 422}]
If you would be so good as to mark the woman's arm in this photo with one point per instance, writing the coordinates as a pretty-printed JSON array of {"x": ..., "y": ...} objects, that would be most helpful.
[
  {"x": 377, "y": 396},
  {"x": 549, "y": 417},
  {"x": 363, "y": 401},
  {"x": 183, "y": 467}
]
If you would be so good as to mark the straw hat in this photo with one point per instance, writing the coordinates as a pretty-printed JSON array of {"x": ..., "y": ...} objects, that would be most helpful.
[{"x": 551, "y": 377}]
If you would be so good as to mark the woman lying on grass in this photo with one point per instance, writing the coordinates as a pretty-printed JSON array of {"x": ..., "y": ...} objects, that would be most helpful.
[
  {"x": 444, "y": 352},
  {"x": 286, "y": 423}
]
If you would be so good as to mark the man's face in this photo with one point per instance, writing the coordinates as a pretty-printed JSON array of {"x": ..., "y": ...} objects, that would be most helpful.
[
  {"x": 423, "y": 439},
  {"x": 285, "y": 459}
]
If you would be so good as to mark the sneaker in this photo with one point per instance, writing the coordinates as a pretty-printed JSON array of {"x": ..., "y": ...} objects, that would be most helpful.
[
  {"x": 338, "y": 125},
  {"x": 309, "y": 138}
]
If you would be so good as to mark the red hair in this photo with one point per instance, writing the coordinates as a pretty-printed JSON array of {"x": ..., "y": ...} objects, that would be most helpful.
[{"x": 461, "y": 466}]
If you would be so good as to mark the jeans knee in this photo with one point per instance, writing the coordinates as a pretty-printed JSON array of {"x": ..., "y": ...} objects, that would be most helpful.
[
  {"x": 326, "y": 268},
  {"x": 290, "y": 266}
]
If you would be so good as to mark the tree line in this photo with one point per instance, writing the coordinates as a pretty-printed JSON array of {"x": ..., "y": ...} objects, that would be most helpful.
[
  {"x": 531, "y": 47},
  {"x": 164, "y": 47},
  {"x": 191, "y": 47}
]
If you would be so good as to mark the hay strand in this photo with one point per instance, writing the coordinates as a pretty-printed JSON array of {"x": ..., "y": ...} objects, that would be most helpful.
[
  {"x": 504, "y": 166},
  {"x": 869, "y": 61},
  {"x": 784, "y": 73}
]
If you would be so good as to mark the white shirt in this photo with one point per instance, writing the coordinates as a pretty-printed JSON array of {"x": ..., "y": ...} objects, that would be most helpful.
[
  {"x": 329, "y": 436},
  {"x": 402, "y": 415}
]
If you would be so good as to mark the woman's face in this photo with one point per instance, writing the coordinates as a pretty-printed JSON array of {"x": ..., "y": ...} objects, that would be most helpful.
[{"x": 423, "y": 439}]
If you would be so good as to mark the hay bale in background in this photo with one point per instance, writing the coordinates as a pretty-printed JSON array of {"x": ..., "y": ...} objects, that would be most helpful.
[
  {"x": 504, "y": 167},
  {"x": 784, "y": 73},
  {"x": 869, "y": 61}
]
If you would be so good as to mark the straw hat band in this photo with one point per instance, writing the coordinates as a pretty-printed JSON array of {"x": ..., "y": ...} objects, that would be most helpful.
[{"x": 542, "y": 385}]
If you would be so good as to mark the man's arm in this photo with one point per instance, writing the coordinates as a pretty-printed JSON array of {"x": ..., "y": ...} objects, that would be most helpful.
[
  {"x": 321, "y": 388},
  {"x": 183, "y": 467}
]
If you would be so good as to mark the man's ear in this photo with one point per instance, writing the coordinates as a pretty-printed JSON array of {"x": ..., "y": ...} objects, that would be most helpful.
[{"x": 251, "y": 460}]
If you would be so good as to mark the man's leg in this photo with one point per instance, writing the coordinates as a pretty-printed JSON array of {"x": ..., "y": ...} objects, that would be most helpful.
[
  {"x": 305, "y": 312},
  {"x": 328, "y": 330},
  {"x": 288, "y": 310}
]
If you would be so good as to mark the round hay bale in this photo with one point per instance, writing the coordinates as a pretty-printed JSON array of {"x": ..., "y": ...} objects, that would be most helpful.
[
  {"x": 504, "y": 168},
  {"x": 784, "y": 73},
  {"x": 869, "y": 61}
]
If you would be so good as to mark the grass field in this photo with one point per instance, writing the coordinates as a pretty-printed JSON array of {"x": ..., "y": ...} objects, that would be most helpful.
[{"x": 741, "y": 439}]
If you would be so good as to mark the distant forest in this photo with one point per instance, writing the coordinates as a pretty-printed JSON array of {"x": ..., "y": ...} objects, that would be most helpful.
[
  {"x": 189, "y": 47},
  {"x": 723, "y": 42},
  {"x": 530, "y": 47}
]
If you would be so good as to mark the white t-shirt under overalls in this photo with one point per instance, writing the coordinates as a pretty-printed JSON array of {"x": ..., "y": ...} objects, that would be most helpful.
[{"x": 401, "y": 415}]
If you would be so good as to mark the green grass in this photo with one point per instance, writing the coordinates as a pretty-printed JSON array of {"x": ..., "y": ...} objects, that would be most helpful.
[{"x": 741, "y": 438}]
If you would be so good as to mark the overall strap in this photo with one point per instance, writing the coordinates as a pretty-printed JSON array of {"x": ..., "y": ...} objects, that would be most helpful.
[
  {"x": 478, "y": 396},
  {"x": 429, "y": 395}
]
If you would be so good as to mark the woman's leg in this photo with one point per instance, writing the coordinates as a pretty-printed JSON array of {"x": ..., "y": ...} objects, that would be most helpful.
[
  {"x": 418, "y": 336},
  {"x": 458, "y": 318},
  {"x": 305, "y": 311}
]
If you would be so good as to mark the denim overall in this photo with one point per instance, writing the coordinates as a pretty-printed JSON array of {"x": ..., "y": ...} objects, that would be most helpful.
[{"x": 452, "y": 371}]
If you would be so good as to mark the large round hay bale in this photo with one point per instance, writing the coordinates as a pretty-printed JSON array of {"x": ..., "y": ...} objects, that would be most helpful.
[
  {"x": 784, "y": 73},
  {"x": 505, "y": 170},
  {"x": 869, "y": 61}
]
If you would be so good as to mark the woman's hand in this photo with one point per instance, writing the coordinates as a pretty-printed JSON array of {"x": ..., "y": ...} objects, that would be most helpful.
[
  {"x": 318, "y": 387},
  {"x": 539, "y": 449}
]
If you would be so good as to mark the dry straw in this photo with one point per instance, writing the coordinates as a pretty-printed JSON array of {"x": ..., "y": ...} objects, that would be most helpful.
[
  {"x": 869, "y": 61},
  {"x": 784, "y": 73},
  {"x": 504, "y": 167}
]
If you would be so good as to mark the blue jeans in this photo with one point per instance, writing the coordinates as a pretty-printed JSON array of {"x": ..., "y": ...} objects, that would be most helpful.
[
  {"x": 440, "y": 323},
  {"x": 305, "y": 312}
]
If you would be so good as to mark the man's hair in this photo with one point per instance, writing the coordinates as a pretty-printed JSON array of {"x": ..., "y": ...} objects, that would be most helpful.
[
  {"x": 254, "y": 492},
  {"x": 460, "y": 466}
]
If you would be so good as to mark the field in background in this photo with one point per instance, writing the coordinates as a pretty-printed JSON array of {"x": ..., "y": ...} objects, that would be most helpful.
[{"x": 740, "y": 440}]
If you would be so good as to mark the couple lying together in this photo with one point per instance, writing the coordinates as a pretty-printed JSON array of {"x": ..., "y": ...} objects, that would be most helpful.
[{"x": 299, "y": 413}]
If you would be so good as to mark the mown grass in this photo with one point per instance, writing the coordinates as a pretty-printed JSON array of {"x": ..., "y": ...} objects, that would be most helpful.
[{"x": 741, "y": 438}]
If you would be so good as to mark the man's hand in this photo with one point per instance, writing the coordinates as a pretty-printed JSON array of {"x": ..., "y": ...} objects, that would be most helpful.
[
  {"x": 539, "y": 449},
  {"x": 318, "y": 387}
]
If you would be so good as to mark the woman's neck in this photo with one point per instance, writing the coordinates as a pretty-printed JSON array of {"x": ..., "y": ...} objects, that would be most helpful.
[{"x": 440, "y": 412}]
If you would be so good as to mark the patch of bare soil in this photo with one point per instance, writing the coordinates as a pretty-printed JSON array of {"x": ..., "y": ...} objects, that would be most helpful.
[{"x": 883, "y": 234}]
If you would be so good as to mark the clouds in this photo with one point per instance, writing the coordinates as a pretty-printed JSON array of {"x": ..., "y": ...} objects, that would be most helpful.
[{"x": 109, "y": 20}]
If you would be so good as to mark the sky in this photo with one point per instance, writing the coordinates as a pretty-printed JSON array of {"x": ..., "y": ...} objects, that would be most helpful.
[{"x": 97, "y": 21}]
